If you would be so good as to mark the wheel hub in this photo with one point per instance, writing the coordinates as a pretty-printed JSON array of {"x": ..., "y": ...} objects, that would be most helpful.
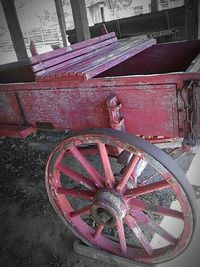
[{"x": 108, "y": 207}]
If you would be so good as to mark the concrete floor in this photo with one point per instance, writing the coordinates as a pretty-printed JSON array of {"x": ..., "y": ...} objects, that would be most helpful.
[{"x": 191, "y": 257}]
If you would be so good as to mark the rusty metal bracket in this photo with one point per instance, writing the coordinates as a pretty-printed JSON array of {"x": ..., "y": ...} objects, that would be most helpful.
[
  {"x": 115, "y": 116},
  {"x": 190, "y": 106},
  {"x": 116, "y": 120}
]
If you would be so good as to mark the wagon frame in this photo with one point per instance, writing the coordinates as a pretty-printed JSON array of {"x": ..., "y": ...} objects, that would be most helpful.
[{"x": 99, "y": 84}]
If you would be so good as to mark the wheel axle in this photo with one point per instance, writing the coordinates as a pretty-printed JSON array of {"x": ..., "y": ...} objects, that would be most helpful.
[{"x": 108, "y": 207}]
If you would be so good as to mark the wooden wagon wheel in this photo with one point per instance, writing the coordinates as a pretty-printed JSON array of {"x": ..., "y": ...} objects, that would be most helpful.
[{"x": 119, "y": 211}]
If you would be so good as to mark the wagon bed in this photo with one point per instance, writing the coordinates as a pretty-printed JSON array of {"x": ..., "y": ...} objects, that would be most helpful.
[
  {"x": 68, "y": 88},
  {"x": 133, "y": 85}
]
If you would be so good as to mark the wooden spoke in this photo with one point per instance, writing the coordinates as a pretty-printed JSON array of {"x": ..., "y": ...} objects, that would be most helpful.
[
  {"x": 162, "y": 232},
  {"x": 144, "y": 219},
  {"x": 98, "y": 231},
  {"x": 110, "y": 180},
  {"x": 131, "y": 222},
  {"x": 143, "y": 205},
  {"x": 76, "y": 177},
  {"x": 76, "y": 193},
  {"x": 80, "y": 212},
  {"x": 142, "y": 190},
  {"x": 127, "y": 173},
  {"x": 139, "y": 216},
  {"x": 94, "y": 174},
  {"x": 121, "y": 234}
]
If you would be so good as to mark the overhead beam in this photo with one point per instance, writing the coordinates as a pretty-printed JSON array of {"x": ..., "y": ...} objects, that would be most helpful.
[
  {"x": 61, "y": 20},
  {"x": 154, "y": 5},
  {"x": 80, "y": 20},
  {"x": 191, "y": 19},
  {"x": 14, "y": 29}
]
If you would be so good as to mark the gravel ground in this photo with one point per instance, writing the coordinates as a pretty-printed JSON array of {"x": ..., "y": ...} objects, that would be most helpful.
[{"x": 31, "y": 233}]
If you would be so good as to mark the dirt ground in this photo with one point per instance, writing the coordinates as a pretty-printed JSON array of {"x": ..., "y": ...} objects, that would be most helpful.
[{"x": 31, "y": 234}]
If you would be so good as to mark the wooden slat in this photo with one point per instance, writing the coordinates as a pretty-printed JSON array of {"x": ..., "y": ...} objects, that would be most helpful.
[
  {"x": 117, "y": 58},
  {"x": 87, "y": 59},
  {"x": 62, "y": 51},
  {"x": 72, "y": 62},
  {"x": 94, "y": 64},
  {"x": 104, "y": 56},
  {"x": 67, "y": 56}
]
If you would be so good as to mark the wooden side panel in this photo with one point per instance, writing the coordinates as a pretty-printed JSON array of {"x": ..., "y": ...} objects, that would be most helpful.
[
  {"x": 9, "y": 109},
  {"x": 148, "y": 109}
]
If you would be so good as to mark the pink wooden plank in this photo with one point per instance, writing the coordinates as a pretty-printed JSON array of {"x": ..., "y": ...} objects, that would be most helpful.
[
  {"x": 91, "y": 66},
  {"x": 120, "y": 54},
  {"x": 73, "y": 61},
  {"x": 76, "y": 64},
  {"x": 60, "y": 77},
  {"x": 101, "y": 67},
  {"x": 83, "y": 62},
  {"x": 16, "y": 131},
  {"x": 124, "y": 45},
  {"x": 67, "y": 56},
  {"x": 61, "y": 51}
]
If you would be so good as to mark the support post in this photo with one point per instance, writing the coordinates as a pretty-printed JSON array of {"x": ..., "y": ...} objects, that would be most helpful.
[
  {"x": 198, "y": 19},
  {"x": 102, "y": 14},
  {"x": 80, "y": 20},
  {"x": 154, "y": 6},
  {"x": 191, "y": 19},
  {"x": 14, "y": 29},
  {"x": 61, "y": 20}
]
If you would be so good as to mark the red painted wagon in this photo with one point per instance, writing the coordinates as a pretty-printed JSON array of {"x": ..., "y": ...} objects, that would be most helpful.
[{"x": 99, "y": 180}]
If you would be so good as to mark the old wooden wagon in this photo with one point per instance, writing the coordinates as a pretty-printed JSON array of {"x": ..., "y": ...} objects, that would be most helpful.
[{"x": 105, "y": 183}]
